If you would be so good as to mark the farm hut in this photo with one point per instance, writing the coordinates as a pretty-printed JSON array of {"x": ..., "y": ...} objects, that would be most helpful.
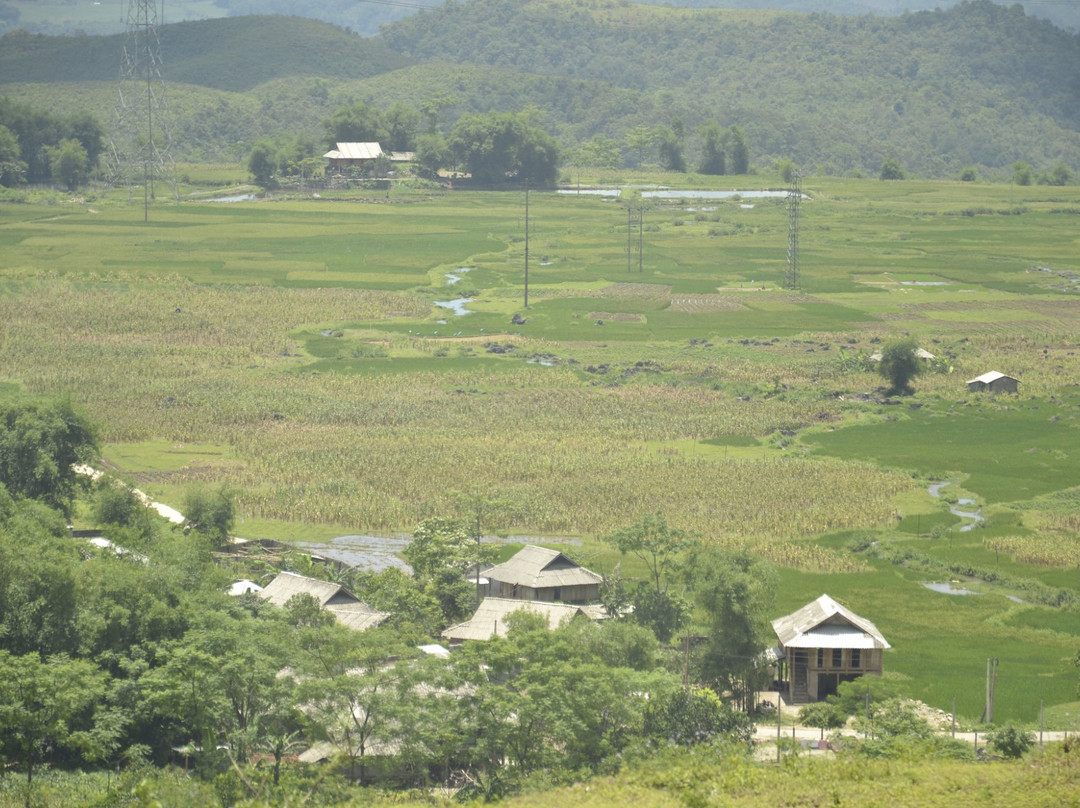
[
  {"x": 536, "y": 573},
  {"x": 920, "y": 353},
  {"x": 344, "y": 605},
  {"x": 824, "y": 644},
  {"x": 362, "y": 155},
  {"x": 349, "y": 155},
  {"x": 993, "y": 382},
  {"x": 490, "y": 618}
]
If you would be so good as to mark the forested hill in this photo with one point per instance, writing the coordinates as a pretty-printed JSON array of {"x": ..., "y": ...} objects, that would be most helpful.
[
  {"x": 979, "y": 83},
  {"x": 225, "y": 54}
]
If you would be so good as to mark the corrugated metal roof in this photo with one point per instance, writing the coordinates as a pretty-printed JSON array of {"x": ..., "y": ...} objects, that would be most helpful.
[
  {"x": 538, "y": 567},
  {"x": 490, "y": 617},
  {"x": 825, "y": 620},
  {"x": 288, "y": 584},
  {"x": 345, "y": 606},
  {"x": 354, "y": 151},
  {"x": 990, "y": 376}
]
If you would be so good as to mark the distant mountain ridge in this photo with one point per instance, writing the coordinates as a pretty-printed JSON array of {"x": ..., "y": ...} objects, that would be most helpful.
[{"x": 977, "y": 85}]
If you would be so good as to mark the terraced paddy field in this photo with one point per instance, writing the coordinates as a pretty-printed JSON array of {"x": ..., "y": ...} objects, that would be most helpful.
[{"x": 296, "y": 352}]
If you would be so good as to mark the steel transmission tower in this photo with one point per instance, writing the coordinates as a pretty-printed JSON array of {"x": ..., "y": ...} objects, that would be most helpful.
[
  {"x": 140, "y": 146},
  {"x": 793, "y": 278}
]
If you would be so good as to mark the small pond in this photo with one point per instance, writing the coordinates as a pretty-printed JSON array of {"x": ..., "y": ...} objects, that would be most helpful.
[
  {"x": 949, "y": 588},
  {"x": 237, "y": 198},
  {"x": 457, "y": 306}
]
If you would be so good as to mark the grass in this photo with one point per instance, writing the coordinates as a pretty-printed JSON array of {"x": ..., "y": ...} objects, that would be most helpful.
[{"x": 291, "y": 350}]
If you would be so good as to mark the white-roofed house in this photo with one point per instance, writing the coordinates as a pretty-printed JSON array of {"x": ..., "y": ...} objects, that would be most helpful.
[
  {"x": 993, "y": 382},
  {"x": 361, "y": 155},
  {"x": 490, "y": 619},
  {"x": 824, "y": 644},
  {"x": 536, "y": 573},
  {"x": 344, "y": 605}
]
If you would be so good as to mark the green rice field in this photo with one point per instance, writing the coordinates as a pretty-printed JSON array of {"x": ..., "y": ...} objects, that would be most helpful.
[{"x": 295, "y": 351}]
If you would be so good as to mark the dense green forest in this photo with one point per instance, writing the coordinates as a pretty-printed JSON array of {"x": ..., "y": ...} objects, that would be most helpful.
[
  {"x": 977, "y": 85},
  {"x": 366, "y": 17}
]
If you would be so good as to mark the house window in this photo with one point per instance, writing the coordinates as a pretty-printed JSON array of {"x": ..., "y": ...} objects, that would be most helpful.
[
  {"x": 821, "y": 657},
  {"x": 837, "y": 658},
  {"x": 856, "y": 658}
]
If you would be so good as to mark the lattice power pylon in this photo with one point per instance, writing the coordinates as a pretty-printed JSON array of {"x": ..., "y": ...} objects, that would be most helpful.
[
  {"x": 793, "y": 277},
  {"x": 140, "y": 145}
]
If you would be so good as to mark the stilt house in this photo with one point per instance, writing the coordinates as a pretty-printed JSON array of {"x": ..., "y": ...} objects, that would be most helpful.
[{"x": 824, "y": 644}]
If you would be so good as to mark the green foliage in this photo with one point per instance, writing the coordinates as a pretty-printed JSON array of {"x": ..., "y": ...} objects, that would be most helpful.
[
  {"x": 656, "y": 545},
  {"x": 65, "y": 148},
  {"x": 12, "y": 166},
  {"x": 899, "y": 365},
  {"x": 49, "y": 704},
  {"x": 691, "y": 716},
  {"x": 852, "y": 697},
  {"x": 504, "y": 146},
  {"x": 1022, "y": 173},
  {"x": 40, "y": 443},
  {"x": 823, "y": 715},
  {"x": 210, "y": 513},
  {"x": 1011, "y": 740},
  {"x": 736, "y": 591},
  {"x": 891, "y": 170}
]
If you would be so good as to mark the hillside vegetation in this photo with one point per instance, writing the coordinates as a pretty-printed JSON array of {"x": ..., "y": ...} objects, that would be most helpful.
[{"x": 977, "y": 85}]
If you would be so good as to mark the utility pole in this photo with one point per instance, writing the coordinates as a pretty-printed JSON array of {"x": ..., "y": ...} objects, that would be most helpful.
[
  {"x": 629, "y": 233},
  {"x": 526, "y": 246},
  {"x": 991, "y": 682},
  {"x": 640, "y": 233}
]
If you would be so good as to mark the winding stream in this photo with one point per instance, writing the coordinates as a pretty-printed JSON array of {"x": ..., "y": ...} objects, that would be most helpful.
[{"x": 974, "y": 517}]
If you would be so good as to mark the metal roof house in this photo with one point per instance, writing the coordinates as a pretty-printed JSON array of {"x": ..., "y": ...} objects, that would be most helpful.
[
  {"x": 489, "y": 621},
  {"x": 344, "y": 605},
  {"x": 993, "y": 382},
  {"x": 536, "y": 573},
  {"x": 347, "y": 155},
  {"x": 823, "y": 644}
]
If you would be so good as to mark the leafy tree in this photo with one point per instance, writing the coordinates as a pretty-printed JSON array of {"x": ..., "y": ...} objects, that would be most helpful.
[
  {"x": 655, "y": 544},
  {"x": 969, "y": 174},
  {"x": 504, "y": 146},
  {"x": 1059, "y": 175},
  {"x": 899, "y": 365},
  {"x": 671, "y": 150},
  {"x": 116, "y": 503},
  {"x": 786, "y": 169},
  {"x": 12, "y": 168},
  {"x": 1011, "y": 740},
  {"x": 602, "y": 152},
  {"x": 736, "y": 592},
  {"x": 210, "y": 513},
  {"x": 37, "y": 579},
  {"x": 432, "y": 153},
  {"x": 402, "y": 127},
  {"x": 893, "y": 718},
  {"x": 1022, "y": 173},
  {"x": 891, "y": 169},
  {"x": 640, "y": 140},
  {"x": 688, "y": 717},
  {"x": 40, "y": 446},
  {"x": 664, "y": 613},
  {"x": 852, "y": 697},
  {"x": 357, "y": 123},
  {"x": 441, "y": 553},
  {"x": 738, "y": 152},
  {"x": 823, "y": 715},
  {"x": 713, "y": 157},
  {"x": 48, "y": 704}
]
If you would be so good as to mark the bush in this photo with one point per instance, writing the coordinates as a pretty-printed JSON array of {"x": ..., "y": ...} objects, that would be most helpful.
[{"x": 1011, "y": 741}]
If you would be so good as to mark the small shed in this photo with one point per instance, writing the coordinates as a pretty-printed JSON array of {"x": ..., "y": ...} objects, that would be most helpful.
[
  {"x": 536, "y": 573},
  {"x": 344, "y": 605},
  {"x": 993, "y": 382},
  {"x": 823, "y": 644}
]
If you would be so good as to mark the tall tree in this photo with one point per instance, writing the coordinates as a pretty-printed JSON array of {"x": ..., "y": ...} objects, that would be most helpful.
[
  {"x": 40, "y": 446},
  {"x": 736, "y": 592},
  {"x": 738, "y": 152},
  {"x": 713, "y": 160},
  {"x": 899, "y": 365},
  {"x": 502, "y": 147}
]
